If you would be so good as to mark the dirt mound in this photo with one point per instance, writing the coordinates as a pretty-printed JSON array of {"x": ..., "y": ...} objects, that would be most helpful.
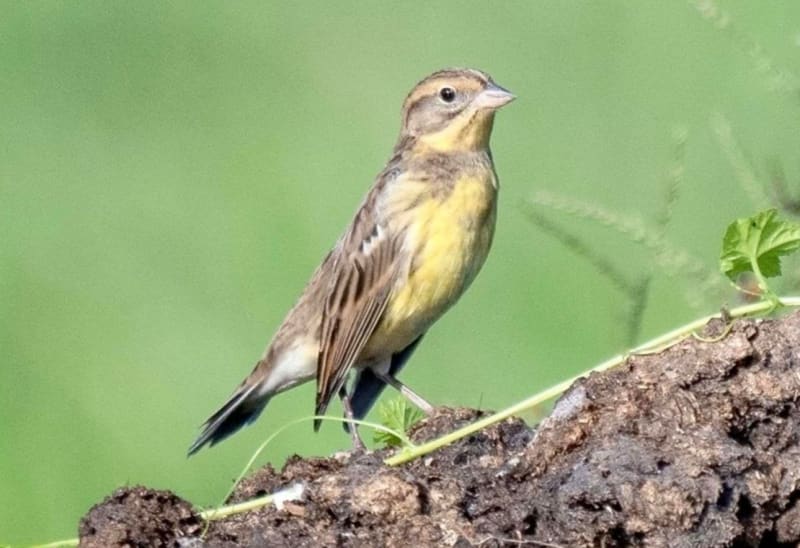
[
  {"x": 698, "y": 445},
  {"x": 138, "y": 516}
]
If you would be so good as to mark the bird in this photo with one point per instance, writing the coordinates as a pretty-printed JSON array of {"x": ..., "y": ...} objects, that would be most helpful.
[{"x": 415, "y": 244}]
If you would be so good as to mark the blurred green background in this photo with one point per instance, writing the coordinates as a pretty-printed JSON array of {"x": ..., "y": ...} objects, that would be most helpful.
[{"x": 171, "y": 174}]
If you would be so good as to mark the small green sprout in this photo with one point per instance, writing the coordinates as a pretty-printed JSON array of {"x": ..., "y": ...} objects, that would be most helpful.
[
  {"x": 755, "y": 244},
  {"x": 398, "y": 415}
]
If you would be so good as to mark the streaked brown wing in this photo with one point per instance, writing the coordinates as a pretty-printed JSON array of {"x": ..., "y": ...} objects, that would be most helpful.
[{"x": 365, "y": 272}]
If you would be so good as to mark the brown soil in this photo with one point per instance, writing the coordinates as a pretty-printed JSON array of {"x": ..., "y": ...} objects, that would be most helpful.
[{"x": 698, "y": 445}]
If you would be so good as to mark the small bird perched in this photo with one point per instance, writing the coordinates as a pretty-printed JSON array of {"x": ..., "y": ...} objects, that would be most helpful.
[{"x": 416, "y": 243}]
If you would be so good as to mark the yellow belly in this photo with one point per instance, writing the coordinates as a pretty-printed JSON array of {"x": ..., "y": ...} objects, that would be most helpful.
[{"x": 448, "y": 239}]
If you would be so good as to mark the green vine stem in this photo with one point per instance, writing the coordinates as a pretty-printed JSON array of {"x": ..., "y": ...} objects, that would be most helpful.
[
  {"x": 763, "y": 285},
  {"x": 56, "y": 544},
  {"x": 667, "y": 339}
]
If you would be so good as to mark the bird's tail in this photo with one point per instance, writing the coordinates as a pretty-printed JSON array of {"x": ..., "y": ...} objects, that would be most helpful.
[
  {"x": 367, "y": 387},
  {"x": 242, "y": 408}
]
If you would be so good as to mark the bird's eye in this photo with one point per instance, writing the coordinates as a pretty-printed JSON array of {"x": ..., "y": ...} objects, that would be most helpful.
[{"x": 447, "y": 94}]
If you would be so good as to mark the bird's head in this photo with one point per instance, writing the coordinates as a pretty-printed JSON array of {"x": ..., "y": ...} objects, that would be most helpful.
[{"x": 453, "y": 110}]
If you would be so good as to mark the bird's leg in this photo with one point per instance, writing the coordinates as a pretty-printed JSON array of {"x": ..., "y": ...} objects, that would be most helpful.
[
  {"x": 358, "y": 444},
  {"x": 409, "y": 394}
]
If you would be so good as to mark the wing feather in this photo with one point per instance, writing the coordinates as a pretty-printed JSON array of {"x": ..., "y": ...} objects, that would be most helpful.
[{"x": 360, "y": 291}]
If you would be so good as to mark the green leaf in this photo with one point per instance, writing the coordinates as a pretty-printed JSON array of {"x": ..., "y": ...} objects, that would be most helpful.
[
  {"x": 398, "y": 415},
  {"x": 755, "y": 244}
]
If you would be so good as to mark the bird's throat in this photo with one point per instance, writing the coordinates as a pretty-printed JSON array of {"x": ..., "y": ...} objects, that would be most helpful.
[{"x": 468, "y": 132}]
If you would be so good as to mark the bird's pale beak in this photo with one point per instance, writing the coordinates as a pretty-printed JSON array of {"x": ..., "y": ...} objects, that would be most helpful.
[{"x": 493, "y": 97}]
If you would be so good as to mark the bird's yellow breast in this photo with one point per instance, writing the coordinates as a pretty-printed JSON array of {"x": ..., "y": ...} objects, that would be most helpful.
[{"x": 448, "y": 236}]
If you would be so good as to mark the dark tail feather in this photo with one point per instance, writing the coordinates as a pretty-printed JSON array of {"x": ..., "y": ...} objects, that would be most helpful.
[
  {"x": 366, "y": 390},
  {"x": 241, "y": 409},
  {"x": 368, "y": 387}
]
